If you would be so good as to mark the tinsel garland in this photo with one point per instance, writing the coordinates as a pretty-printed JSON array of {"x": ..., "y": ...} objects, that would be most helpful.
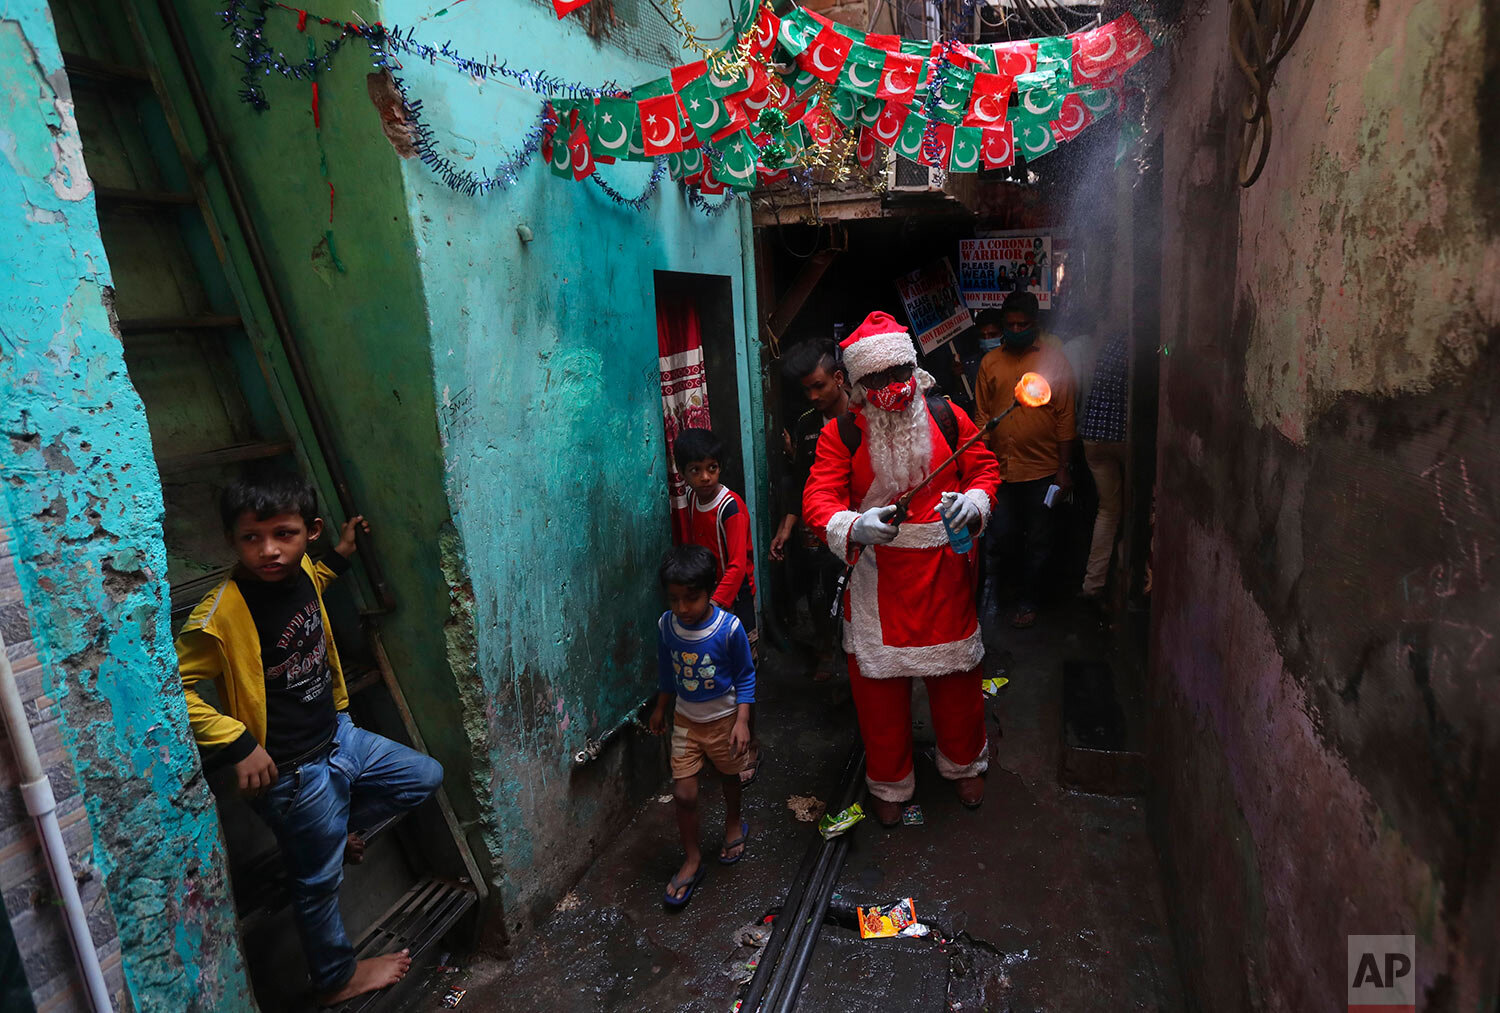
[
  {"x": 462, "y": 180},
  {"x": 248, "y": 33},
  {"x": 708, "y": 210},
  {"x": 260, "y": 59},
  {"x": 937, "y": 83},
  {"x": 634, "y": 203},
  {"x": 397, "y": 41}
]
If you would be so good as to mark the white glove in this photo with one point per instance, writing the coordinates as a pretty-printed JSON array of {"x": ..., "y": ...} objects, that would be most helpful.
[
  {"x": 870, "y": 527},
  {"x": 958, "y": 510}
]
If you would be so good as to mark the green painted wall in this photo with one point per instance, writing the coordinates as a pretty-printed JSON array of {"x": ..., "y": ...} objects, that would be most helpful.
[
  {"x": 81, "y": 496},
  {"x": 357, "y": 310}
]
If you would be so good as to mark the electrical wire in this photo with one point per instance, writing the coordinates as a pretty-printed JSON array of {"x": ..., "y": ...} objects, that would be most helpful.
[{"x": 1261, "y": 33}]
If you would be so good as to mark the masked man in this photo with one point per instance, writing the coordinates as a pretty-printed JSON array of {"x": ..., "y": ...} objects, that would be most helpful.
[
  {"x": 909, "y": 611},
  {"x": 1034, "y": 445}
]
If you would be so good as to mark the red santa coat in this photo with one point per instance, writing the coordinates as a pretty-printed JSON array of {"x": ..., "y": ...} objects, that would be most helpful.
[{"x": 910, "y": 608}]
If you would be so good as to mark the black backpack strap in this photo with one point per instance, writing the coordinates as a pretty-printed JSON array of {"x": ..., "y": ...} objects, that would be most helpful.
[
  {"x": 942, "y": 413},
  {"x": 849, "y": 432}
]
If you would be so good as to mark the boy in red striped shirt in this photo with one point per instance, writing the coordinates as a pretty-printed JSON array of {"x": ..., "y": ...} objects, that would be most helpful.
[{"x": 721, "y": 524}]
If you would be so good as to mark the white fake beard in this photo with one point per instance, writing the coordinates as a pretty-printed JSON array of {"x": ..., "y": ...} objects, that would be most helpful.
[{"x": 900, "y": 446}]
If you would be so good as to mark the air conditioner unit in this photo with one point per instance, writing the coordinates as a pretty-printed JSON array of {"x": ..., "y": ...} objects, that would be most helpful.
[{"x": 906, "y": 176}]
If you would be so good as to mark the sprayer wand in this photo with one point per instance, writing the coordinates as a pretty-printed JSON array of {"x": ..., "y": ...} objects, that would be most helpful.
[{"x": 904, "y": 501}]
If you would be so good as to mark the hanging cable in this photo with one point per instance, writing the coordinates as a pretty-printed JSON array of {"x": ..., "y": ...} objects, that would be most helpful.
[{"x": 1261, "y": 33}]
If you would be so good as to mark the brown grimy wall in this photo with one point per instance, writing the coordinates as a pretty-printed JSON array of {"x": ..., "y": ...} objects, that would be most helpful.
[{"x": 1325, "y": 671}]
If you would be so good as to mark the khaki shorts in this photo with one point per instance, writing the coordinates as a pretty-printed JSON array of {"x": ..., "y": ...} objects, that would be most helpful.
[{"x": 692, "y": 741}]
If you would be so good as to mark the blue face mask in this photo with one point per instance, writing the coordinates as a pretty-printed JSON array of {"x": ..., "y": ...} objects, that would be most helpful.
[
  {"x": 1020, "y": 339},
  {"x": 990, "y": 344}
]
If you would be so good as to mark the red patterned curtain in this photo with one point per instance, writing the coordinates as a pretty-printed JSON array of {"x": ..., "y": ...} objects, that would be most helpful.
[{"x": 684, "y": 390}]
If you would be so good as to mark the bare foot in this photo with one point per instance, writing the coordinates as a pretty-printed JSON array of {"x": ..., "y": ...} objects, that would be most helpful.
[
  {"x": 372, "y": 975},
  {"x": 354, "y": 850},
  {"x": 684, "y": 878}
]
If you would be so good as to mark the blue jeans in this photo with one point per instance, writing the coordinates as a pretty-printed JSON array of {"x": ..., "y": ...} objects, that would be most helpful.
[{"x": 311, "y": 808}]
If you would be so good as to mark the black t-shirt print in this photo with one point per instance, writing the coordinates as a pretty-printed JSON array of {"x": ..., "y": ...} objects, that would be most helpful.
[{"x": 300, "y": 715}]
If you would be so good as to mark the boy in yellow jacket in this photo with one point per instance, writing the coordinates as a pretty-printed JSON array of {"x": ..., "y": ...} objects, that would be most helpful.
[{"x": 262, "y": 637}]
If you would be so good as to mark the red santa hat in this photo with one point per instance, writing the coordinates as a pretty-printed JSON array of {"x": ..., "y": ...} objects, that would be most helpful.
[{"x": 878, "y": 343}]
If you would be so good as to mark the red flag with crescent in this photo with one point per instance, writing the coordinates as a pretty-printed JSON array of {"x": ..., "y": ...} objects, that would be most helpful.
[
  {"x": 898, "y": 80},
  {"x": 998, "y": 149},
  {"x": 583, "y": 156},
  {"x": 989, "y": 100},
  {"x": 661, "y": 130},
  {"x": 825, "y": 56}
]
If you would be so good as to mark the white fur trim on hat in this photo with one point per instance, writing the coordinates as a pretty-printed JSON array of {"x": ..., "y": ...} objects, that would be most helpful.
[{"x": 875, "y": 352}]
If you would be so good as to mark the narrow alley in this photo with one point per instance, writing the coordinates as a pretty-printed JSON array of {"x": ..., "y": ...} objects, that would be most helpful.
[
  {"x": 749, "y": 506},
  {"x": 1044, "y": 898}
]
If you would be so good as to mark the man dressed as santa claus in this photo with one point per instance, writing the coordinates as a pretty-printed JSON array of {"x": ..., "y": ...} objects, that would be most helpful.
[{"x": 909, "y": 611}]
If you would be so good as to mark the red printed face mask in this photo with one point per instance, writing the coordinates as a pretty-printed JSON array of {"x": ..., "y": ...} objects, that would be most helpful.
[{"x": 894, "y": 396}]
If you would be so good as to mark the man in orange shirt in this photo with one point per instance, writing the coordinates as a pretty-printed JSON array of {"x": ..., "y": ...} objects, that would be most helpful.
[{"x": 1034, "y": 445}]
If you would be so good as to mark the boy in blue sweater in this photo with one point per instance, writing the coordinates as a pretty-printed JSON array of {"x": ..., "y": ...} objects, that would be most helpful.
[{"x": 703, "y": 658}]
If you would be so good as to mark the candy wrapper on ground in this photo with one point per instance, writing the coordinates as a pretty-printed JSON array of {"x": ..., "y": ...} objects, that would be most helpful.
[
  {"x": 453, "y": 997},
  {"x": 833, "y": 824},
  {"x": 912, "y": 816},
  {"x": 992, "y": 686},
  {"x": 889, "y": 920}
]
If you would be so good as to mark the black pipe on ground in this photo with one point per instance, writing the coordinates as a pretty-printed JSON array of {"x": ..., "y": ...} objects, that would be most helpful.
[
  {"x": 802, "y": 955},
  {"x": 808, "y": 894}
]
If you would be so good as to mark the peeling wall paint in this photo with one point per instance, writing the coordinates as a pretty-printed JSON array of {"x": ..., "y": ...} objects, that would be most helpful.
[
  {"x": 545, "y": 369},
  {"x": 1328, "y": 511},
  {"x": 83, "y": 501},
  {"x": 361, "y": 323}
]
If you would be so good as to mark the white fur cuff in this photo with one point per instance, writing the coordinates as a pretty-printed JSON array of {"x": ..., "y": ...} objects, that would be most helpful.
[
  {"x": 981, "y": 499},
  {"x": 875, "y": 352},
  {"x": 894, "y": 791},
  {"x": 837, "y": 532},
  {"x": 953, "y": 771}
]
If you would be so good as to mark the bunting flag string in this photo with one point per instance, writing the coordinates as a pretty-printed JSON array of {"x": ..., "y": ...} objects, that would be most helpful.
[{"x": 791, "y": 91}]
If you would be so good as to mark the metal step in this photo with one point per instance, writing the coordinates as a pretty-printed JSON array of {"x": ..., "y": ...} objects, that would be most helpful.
[
  {"x": 261, "y": 886},
  {"x": 86, "y": 68},
  {"x": 415, "y": 923},
  {"x": 196, "y": 322},
  {"x": 169, "y": 466},
  {"x": 121, "y": 196}
]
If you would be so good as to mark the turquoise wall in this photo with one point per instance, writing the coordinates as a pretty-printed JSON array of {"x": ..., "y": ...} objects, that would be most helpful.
[
  {"x": 545, "y": 367},
  {"x": 83, "y": 499}
]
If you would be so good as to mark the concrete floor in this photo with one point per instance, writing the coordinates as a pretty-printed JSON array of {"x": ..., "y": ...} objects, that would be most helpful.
[{"x": 1053, "y": 896}]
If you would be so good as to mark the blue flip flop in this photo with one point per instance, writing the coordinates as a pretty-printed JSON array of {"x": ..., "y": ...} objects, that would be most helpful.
[
  {"x": 691, "y": 884},
  {"x": 742, "y": 839}
]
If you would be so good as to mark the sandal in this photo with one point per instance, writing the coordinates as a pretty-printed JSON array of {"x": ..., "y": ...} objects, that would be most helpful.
[
  {"x": 753, "y": 770},
  {"x": 739, "y": 842},
  {"x": 687, "y": 894}
]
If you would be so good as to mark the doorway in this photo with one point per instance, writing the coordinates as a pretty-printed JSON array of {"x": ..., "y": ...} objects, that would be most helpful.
[{"x": 698, "y": 311}]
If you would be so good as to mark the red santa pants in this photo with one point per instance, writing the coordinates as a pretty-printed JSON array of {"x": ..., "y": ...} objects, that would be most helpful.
[{"x": 884, "y": 709}]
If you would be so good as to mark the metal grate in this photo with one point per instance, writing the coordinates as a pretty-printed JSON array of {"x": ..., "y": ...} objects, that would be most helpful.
[
  {"x": 637, "y": 29},
  {"x": 910, "y": 174}
]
